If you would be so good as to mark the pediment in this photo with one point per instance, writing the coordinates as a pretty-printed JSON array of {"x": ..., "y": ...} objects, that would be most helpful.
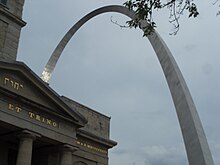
[{"x": 22, "y": 83}]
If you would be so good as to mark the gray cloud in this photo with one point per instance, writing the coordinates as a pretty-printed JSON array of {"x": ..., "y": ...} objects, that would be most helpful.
[
  {"x": 152, "y": 155},
  {"x": 160, "y": 155}
]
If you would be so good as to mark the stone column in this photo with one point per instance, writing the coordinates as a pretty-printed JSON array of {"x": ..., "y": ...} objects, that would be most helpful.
[
  {"x": 25, "y": 147},
  {"x": 66, "y": 152}
]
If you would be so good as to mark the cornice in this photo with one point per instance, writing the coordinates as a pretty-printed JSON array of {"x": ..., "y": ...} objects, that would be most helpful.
[
  {"x": 107, "y": 142},
  {"x": 4, "y": 11}
]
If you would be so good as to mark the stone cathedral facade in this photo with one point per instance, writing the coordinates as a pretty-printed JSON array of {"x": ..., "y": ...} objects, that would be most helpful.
[{"x": 38, "y": 126}]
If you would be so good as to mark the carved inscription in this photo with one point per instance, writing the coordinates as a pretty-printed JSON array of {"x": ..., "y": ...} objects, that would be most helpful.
[
  {"x": 12, "y": 107},
  {"x": 91, "y": 147},
  {"x": 12, "y": 84},
  {"x": 33, "y": 116},
  {"x": 42, "y": 119}
]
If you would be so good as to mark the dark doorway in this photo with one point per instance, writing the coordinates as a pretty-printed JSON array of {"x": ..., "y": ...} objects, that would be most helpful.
[{"x": 12, "y": 156}]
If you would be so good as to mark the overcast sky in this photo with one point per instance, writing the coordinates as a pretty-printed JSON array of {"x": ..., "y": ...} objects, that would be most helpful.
[{"x": 116, "y": 72}]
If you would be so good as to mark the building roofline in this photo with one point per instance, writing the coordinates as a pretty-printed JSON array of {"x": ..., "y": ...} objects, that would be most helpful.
[{"x": 81, "y": 105}]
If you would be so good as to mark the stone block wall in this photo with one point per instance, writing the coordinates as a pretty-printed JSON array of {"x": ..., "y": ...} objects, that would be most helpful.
[
  {"x": 3, "y": 28},
  {"x": 10, "y": 28},
  {"x": 98, "y": 124},
  {"x": 14, "y": 6}
]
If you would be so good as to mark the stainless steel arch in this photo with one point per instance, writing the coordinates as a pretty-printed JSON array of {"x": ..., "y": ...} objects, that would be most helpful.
[
  {"x": 196, "y": 144},
  {"x": 47, "y": 72}
]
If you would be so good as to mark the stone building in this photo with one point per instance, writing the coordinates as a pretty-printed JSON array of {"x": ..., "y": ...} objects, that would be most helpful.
[{"x": 37, "y": 126}]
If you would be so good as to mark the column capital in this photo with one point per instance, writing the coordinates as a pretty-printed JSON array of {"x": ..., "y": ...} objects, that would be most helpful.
[
  {"x": 68, "y": 148},
  {"x": 66, "y": 151},
  {"x": 28, "y": 134}
]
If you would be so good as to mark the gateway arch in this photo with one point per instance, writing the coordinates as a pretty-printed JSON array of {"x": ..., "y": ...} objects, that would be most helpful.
[{"x": 195, "y": 141}]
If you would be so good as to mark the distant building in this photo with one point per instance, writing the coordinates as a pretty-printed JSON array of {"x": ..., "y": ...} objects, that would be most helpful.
[{"x": 37, "y": 126}]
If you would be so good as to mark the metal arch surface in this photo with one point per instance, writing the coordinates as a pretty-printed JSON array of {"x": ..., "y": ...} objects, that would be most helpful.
[
  {"x": 195, "y": 141},
  {"x": 47, "y": 72}
]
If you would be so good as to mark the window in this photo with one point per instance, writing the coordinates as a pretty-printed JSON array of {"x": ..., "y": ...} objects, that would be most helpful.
[{"x": 3, "y": 2}]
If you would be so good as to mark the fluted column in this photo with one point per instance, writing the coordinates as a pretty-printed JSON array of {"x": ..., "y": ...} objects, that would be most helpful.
[
  {"x": 66, "y": 152},
  {"x": 25, "y": 147}
]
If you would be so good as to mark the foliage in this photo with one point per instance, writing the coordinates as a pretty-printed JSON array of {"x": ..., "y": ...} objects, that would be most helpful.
[
  {"x": 144, "y": 10},
  {"x": 217, "y": 2}
]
